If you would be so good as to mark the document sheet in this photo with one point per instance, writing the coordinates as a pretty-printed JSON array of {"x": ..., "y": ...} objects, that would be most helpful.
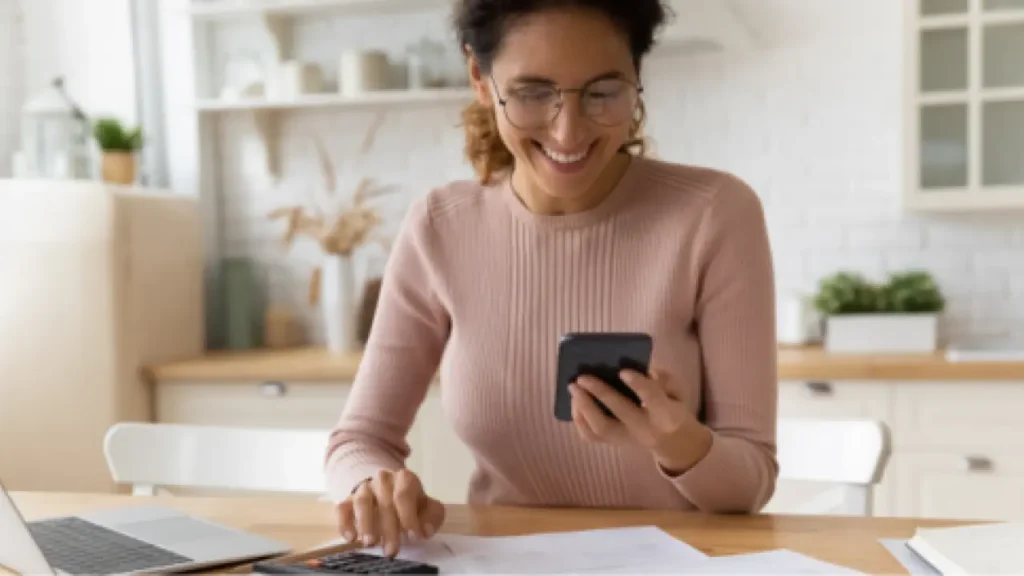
[
  {"x": 772, "y": 562},
  {"x": 646, "y": 550}
]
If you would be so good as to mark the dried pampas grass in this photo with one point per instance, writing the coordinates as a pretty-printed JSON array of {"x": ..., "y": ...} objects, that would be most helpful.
[{"x": 338, "y": 229}]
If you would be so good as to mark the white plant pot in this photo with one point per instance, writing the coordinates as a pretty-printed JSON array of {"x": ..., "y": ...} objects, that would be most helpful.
[
  {"x": 882, "y": 333},
  {"x": 338, "y": 303}
]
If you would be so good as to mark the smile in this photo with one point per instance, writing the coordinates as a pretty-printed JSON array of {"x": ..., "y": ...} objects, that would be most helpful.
[{"x": 565, "y": 158}]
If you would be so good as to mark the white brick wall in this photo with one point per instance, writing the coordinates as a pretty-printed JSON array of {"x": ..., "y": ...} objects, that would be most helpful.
[{"x": 811, "y": 119}]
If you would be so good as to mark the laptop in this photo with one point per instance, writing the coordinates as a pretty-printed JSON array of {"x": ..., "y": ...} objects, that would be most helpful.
[{"x": 140, "y": 539}]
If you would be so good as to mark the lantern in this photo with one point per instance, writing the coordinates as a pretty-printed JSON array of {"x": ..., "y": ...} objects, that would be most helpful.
[{"x": 55, "y": 136}]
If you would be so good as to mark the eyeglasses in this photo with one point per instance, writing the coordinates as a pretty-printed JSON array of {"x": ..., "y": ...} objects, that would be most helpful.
[{"x": 607, "y": 102}]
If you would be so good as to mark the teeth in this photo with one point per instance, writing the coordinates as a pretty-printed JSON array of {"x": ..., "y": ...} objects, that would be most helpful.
[{"x": 565, "y": 158}]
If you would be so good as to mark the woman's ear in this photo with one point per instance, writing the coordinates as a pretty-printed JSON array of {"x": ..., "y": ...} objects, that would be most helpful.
[{"x": 480, "y": 84}]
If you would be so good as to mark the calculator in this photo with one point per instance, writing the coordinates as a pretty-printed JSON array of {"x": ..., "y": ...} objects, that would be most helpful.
[{"x": 346, "y": 563}]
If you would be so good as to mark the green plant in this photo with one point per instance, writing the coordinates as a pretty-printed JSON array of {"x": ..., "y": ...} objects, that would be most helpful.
[
  {"x": 112, "y": 136},
  {"x": 846, "y": 293},
  {"x": 907, "y": 292},
  {"x": 912, "y": 291}
]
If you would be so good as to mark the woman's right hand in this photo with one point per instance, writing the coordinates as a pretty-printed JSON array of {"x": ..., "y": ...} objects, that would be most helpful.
[{"x": 385, "y": 507}]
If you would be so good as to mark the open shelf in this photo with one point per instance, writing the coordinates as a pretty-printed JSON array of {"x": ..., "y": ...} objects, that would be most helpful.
[
  {"x": 370, "y": 99},
  {"x": 228, "y": 9},
  {"x": 266, "y": 114}
]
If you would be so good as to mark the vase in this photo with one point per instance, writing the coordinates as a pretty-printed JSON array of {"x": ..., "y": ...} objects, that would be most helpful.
[
  {"x": 241, "y": 300},
  {"x": 118, "y": 167},
  {"x": 338, "y": 303}
]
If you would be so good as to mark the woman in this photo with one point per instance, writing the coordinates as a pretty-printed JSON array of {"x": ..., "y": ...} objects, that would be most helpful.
[{"x": 567, "y": 229}]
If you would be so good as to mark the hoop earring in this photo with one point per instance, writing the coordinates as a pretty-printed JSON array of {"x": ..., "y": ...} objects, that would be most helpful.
[
  {"x": 640, "y": 118},
  {"x": 636, "y": 142}
]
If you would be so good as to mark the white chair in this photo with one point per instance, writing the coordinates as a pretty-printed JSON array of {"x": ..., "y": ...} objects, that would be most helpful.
[
  {"x": 848, "y": 457},
  {"x": 154, "y": 456}
]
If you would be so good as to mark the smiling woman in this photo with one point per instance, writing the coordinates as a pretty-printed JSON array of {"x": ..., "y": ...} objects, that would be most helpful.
[{"x": 568, "y": 228}]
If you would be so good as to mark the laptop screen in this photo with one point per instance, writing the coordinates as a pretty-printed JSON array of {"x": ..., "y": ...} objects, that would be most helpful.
[{"x": 18, "y": 551}]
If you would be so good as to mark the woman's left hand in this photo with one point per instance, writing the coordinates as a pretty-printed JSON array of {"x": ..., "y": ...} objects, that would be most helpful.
[{"x": 662, "y": 423}]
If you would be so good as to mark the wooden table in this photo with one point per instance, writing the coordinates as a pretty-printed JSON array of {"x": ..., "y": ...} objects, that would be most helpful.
[{"x": 303, "y": 523}]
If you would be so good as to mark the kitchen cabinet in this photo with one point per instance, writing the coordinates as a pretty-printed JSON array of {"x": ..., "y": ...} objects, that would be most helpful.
[
  {"x": 957, "y": 447},
  {"x": 964, "y": 104},
  {"x": 957, "y": 437}
]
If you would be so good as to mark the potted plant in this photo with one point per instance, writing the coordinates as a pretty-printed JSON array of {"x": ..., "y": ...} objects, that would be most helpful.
[
  {"x": 900, "y": 315},
  {"x": 118, "y": 146}
]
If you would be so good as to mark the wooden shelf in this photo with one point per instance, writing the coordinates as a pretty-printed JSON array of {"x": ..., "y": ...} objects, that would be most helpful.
[
  {"x": 229, "y": 9},
  {"x": 371, "y": 99},
  {"x": 266, "y": 114}
]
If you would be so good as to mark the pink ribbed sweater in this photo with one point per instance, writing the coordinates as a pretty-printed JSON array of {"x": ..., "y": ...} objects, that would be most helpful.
[{"x": 478, "y": 280}]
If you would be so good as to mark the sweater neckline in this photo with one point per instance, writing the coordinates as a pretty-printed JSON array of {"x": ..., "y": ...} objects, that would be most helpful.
[{"x": 622, "y": 190}]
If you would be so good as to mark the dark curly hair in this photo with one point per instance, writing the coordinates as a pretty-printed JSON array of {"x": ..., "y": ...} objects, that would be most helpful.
[{"x": 481, "y": 26}]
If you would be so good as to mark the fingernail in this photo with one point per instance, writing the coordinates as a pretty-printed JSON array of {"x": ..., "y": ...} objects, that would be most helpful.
[
  {"x": 350, "y": 535},
  {"x": 428, "y": 530},
  {"x": 367, "y": 540},
  {"x": 412, "y": 536}
]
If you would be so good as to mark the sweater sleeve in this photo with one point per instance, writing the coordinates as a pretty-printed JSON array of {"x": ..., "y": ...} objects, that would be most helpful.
[
  {"x": 401, "y": 358},
  {"x": 735, "y": 322}
]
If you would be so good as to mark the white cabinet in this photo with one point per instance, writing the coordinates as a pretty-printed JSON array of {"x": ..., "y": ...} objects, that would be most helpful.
[
  {"x": 978, "y": 483},
  {"x": 438, "y": 456},
  {"x": 957, "y": 447},
  {"x": 259, "y": 404},
  {"x": 964, "y": 104}
]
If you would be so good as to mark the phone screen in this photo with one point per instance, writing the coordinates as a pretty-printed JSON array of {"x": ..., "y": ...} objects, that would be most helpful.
[{"x": 602, "y": 355}]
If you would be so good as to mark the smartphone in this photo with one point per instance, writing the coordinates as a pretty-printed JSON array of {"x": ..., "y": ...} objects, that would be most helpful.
[{"x": 602, "y": 355}]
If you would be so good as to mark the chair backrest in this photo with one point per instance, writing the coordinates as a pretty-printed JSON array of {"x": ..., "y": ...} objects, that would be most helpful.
[
  {"x": 151, "y": 456},
  {"x": 851, "y": 454}
]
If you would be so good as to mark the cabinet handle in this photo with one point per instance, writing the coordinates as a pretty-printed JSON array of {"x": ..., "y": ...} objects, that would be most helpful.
[
  {"x": 820, "y": 388},
  {"x": 977, "y": 463},
  {"x": 274, "y": 389}
]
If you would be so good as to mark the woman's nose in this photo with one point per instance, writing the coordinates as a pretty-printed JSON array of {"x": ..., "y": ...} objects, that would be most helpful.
[{"x": 567, "y": 125}]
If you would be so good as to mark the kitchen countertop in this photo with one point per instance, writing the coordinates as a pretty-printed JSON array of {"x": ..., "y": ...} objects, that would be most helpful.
[{"x": 795, "y": 364}]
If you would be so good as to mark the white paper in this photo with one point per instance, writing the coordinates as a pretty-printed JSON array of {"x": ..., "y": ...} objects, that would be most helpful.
[
  {"x": 906, "y": 557},
  {"x": 773, "y": 562},
  {"x": 646, "y": 550}
]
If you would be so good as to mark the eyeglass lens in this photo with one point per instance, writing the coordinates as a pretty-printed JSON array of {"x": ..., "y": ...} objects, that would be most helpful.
[{"x": 608, "y": 102}]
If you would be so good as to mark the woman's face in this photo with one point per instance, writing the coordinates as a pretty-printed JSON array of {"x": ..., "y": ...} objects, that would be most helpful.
[{"x": 562, "y": 142}]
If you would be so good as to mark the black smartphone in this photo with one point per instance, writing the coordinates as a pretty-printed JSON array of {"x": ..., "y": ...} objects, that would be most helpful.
[{"x": 602, "y": 355}]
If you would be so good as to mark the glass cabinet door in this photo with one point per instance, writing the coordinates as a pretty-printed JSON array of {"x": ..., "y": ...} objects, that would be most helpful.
[
  {"x": 968, "y": 101},
  {"x": 936, "y": 7},
  {"x": 1002, "y": 93}
]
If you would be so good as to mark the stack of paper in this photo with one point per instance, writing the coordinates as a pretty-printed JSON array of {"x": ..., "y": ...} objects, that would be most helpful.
[
  {"x": 996, "y": 548},
  {"x": 643, "y": 550},
  {"x": 905, "y": 556}
]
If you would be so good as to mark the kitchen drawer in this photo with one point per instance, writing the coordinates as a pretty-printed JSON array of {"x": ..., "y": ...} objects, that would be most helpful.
[
  {"x": 951, "y": 414},
  {"x": 839, "y": 400},
  {"x": 264, "y": 404},
  {"x": 976, "y": 483}
]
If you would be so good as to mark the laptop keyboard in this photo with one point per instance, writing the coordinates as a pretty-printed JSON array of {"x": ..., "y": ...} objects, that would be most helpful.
[{"x": 79, "y": 547}]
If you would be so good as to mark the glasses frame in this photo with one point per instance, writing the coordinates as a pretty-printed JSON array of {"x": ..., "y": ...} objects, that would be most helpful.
[{"x": 561, "y": 101}]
